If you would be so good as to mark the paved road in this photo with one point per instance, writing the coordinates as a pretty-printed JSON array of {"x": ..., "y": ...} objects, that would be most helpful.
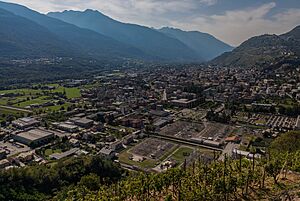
[
  {"x": 184, "y": 141},
  {"x": 15, "y": 108},
  {"x": 228, "y": 150}
]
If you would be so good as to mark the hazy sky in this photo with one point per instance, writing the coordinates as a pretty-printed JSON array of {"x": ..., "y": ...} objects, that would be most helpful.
[{"x": 232, "y": 21}]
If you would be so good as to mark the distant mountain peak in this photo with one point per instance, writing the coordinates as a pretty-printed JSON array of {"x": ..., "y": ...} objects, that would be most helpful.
[
  {"x": 91, "y": 10},
  {"x": 264, "y": 50},
  {"x": 206, "y": 45},
  {"x": 170, "y": 28},
  {"x": 148, "y": 40}
]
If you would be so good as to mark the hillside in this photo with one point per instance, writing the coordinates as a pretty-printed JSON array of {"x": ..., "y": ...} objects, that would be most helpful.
[
  {"x": 20, "y": 37},
  {"x": 263, "y": 51},
  {"x": 273, "y": 177},
  {"x": 90, "y": 43},
  {"x": 205, "y": 45},
  {"x": 94, "y": 178},
  {"x": 146, "y": 39}
]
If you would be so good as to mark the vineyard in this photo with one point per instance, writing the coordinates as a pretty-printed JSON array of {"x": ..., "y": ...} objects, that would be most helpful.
[{"x": 272, "y": 178}]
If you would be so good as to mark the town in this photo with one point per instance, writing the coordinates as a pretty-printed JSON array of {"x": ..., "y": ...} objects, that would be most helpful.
[{"x": 150, "y": 119}]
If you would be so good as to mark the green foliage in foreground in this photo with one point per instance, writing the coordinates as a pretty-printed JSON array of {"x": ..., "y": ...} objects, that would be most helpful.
[
  {"x": 41, "y": 182},
  {"x": 94, "y": 178},
  {"x": 228, "y": 180},
  {"x": 287, "y": 142}
]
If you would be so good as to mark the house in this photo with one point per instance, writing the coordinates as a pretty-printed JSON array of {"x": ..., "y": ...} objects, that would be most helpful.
[
  {"x": 2, "y": 154},
  {"x": 238, "y": 154},
  {"x": 161, "y": 122},
  {"x": 65, "y": 154},
  {"x": 107, "y": 152},
  {"x": 159, "y": 113},
  {"x": 26, "y": 156},
  {"x": 234, "y": 139},
  {"x": 297, "y": 125},
  {"x": 132, "y": 122},
  {"x": 82, "y": 122},
  {"x": 74, "y": 142},
  {"x": 25, "y": 122},
  {"x": 69, "y": 127},
  {"x": 128, "y": 140},
  {"x": 4, "y": 163},
  {"x": 116, "y": 146},
  {"x": 184, "y": 103}
]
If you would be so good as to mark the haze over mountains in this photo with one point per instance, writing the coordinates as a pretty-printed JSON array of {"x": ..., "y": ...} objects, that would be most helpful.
[
  {"x": 90, "y": 34},
  {"x": 86, "y": 42},
  {"x": 263, "y": 51},
  {"x": 21, "y": 37},
  {"x": 197, "y": 40},
  {"x": 166, "y": 43}
]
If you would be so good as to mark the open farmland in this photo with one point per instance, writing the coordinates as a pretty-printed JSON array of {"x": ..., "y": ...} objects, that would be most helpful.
[{"x": 37, "y": 98}]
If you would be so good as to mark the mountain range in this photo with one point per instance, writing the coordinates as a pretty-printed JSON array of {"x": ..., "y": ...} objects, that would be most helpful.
[
  {"x": 166, "y": 42},
  {"x": 197, "y": 40},
  {"x": 263, "y": 51},
  {"x": 91, "y": 34},
  {"x": 15, "y": 40}
]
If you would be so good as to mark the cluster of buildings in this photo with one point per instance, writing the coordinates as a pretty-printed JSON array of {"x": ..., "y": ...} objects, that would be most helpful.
[{"x": 123, "y": 106}]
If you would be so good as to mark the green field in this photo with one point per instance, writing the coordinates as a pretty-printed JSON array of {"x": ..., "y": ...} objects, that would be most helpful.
[
  {"x": 5, "y": 112},
  {"x": 57, "y": 107},
  {"x": 182, "y": 153},
  {"x": 168, "y": 153},
  {"x": 70, "y": 92},
  {"x": 30, "y": 96},
  {"x": 124, "y": 158},
  {"x": 177, "y": 153},
  {"x": 24, "y": 92},
  {"x": 39, "y": 100},
  {"x": 48, "y": 152}
]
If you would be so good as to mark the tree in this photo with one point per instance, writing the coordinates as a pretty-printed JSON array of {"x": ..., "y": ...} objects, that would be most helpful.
[
  {"x": 273, "y": 169},
  {"x": 287, "y": 142},
  {"x": 90, "y": 181}
]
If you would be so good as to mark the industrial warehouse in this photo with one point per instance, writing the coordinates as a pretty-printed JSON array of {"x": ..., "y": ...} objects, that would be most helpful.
[{"x": 34, "y": 137}]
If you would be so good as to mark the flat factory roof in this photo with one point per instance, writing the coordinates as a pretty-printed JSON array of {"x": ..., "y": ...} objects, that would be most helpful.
[{"x": 35, "y": 134}]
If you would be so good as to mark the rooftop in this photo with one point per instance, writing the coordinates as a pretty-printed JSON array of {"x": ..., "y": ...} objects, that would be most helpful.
[
  {"x": 35, "y": 134},
  {"x": 183, "y": 100},
  {"x": 58, "y": 156}
]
